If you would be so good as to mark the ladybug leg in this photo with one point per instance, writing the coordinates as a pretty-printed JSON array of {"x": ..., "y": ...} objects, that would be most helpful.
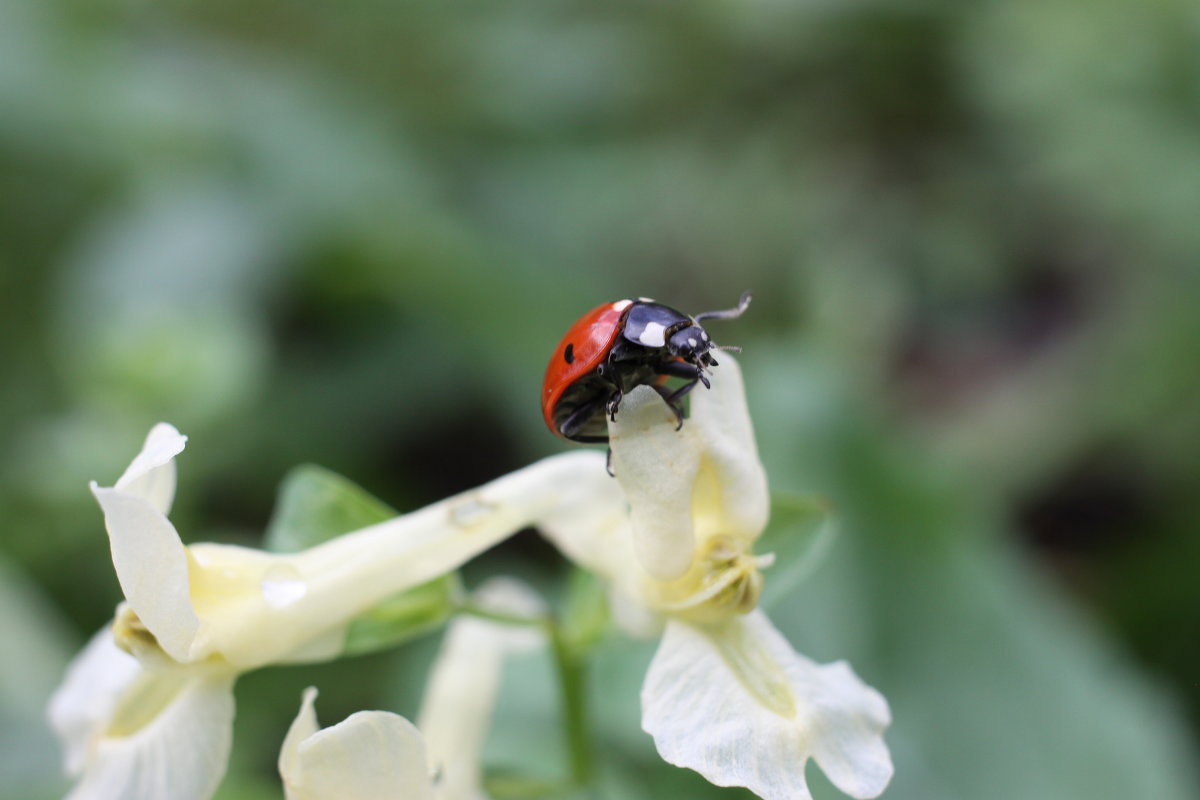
[
  {"x": 669, "y": 396},
  {"x": 614, "y": 402},
  {"x": 687, "y": 370},
  {"x": 680, "y": 369},
  {"x": 571, "y": 426}
]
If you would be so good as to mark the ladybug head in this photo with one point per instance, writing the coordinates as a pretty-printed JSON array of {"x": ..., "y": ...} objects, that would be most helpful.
[{"x": 691, "y": 343}]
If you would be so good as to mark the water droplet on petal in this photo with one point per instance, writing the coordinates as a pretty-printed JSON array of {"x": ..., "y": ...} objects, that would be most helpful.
[
  {"x": 469, "y": 511},
  {"x": 282, "y": 586}
]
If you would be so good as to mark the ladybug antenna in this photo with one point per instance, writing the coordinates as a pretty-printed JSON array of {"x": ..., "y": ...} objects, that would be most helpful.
[
  {"x": 732, "y": 348},
  {"x": 729, "y": 313}
]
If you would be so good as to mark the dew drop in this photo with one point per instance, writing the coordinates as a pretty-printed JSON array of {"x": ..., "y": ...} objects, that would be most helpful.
[
  {"x": 469, "y": 512},
  {"x": 282, "y": 586}
]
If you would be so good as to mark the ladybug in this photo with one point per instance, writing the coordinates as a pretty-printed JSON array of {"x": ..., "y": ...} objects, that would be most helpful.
[{"x": 616, "y": 347}]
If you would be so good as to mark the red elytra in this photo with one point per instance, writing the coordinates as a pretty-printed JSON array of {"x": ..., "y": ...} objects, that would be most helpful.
[{"x": 590, "y": 339}]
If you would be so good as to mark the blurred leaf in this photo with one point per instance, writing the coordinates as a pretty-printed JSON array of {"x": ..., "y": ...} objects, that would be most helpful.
[
  {"x": 316, "y": 505},
  {"x": 998, "y": 688},
  {"x": 503, "y": 785},
  {"x": 618, "y": 778},
  {"x": 247, "y": 787},
  {"x": 800, "y": 534},
  {"x": 526, "y": 736},
  {"x": 585, "y": 617},
  {"x": 29, "y": 758},
  {"x": 617, "y": 669},
  {"x": 971, "y": 651}
]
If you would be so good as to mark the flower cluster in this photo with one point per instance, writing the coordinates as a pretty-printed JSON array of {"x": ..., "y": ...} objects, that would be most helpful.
[
  {"x": 725, "y": 695},
  {"x": 146, "y": 710}
]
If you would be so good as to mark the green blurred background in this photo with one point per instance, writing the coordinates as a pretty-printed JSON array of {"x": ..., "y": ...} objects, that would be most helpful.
[{"x": 351, "y": 233}]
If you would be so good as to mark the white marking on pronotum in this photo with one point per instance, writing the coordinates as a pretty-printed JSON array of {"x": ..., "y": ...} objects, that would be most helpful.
[
  {"x": 655, "y": 335},
  {"x": 692, "y": 341},
  {"x": 621, "y": 305}
]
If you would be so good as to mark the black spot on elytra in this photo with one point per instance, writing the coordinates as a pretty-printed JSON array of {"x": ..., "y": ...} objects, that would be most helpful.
[{"x": 569, "y": 353}]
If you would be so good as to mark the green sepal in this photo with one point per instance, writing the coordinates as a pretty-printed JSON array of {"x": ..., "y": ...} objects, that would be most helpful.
[
  {"x": 800, "y": 534},
  {"x": 403, "y": 616},
  {"x": 316, "y": 505}
]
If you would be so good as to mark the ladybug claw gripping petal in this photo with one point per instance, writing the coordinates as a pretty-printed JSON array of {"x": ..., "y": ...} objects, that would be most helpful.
[
  {"x": 613, "y": 404},
  {"x": 616, "y": 347}
]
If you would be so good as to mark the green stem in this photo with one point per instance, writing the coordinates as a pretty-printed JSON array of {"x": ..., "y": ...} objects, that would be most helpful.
[
  {"x": 573, "y": 684},
  {"x": 505, "y": 619}
]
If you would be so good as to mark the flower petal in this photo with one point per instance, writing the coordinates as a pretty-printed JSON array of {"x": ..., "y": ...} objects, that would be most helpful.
[
  {"x": 721, "y": 420},
  {"x": 168, "y": 736},
  {"x": 369, "y": 755},
  {"x": 152, "y": 567},
  {"x": 302, "y": 727},
  {"x": 88, "y": 696},
  {"x": 656, "y": 466},
  {"x": 591, "y": 527},
  {"x": 348, "y": 575},
  {"x": 151, "y": 475},
  {"x": 737, "y": 704},
  {"x": 687, "y": 485}
]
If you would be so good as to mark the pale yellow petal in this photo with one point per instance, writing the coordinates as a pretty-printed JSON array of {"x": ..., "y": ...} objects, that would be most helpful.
[
  {"x": 152, "y": 567},
  {"x": 82, "y": 705},
  {"x": 631, "y": 615},
  {"x": 734, "y": 500},
  {"x": 591, "y": 528},
  {"x": 656, "y": 466},
  {"x": 151, "y": 474},
  {"x": 346, "y": 576},
  {"x": 368, "y": 756},
  {"x": 252, "y": 608},
  {"x": 168, "y": 739},
  {"x": 302, "y": 727},
  {"x": 737, "y": 704}
]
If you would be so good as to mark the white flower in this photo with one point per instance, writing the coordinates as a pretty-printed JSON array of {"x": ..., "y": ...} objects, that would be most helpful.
[
  {"x": 378, "y": 754},
  {"x": 725, "y": 694},
  {"x": 249, "y": 607},
  {"x": 736, "y": 703},
  {"x": 138, "y": 734},
  {"x": 145, "y": 710}
]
